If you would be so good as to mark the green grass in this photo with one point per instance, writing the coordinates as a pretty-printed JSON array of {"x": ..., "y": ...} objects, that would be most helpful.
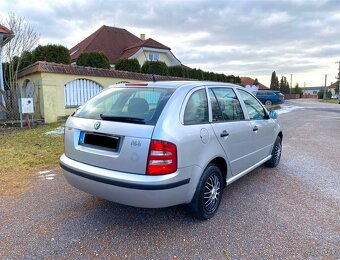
[
  {"x": 332, "y": 101},
  {"x": 273, "y": 107},
  {"x": 24, "y": 152}
]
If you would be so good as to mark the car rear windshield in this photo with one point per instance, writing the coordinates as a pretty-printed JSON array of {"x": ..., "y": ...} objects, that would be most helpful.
[{"x": 139, "y": 105}]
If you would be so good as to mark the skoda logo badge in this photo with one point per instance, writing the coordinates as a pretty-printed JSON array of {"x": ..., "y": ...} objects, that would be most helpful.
[{"x": 96, "y": 125}]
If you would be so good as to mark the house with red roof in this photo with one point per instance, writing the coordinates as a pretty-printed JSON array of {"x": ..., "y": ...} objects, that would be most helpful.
[
  {"x": 118, "y": 43},
  {"x": 248, "y": 81}
]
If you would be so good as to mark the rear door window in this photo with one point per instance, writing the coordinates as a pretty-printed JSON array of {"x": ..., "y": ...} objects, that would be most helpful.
[
  {"x": 225, "y": 105},
  {"x": 133, "y": 105}
]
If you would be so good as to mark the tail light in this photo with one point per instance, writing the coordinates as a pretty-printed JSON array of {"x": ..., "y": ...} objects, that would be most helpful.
[{"x": 162, "y": 158}]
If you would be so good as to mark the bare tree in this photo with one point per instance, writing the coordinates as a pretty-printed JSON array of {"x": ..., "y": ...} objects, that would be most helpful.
[{"x": 25, "y": 38}]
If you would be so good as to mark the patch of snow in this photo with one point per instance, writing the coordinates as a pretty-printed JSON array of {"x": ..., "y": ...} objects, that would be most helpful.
[
  {"x": 46, "y": 175},
  {"x": 286, "y": 109},
  {"x": 58, "y": 131},
  {"x": 44, "y": 172},
  {"x": 50, "y": 175}
]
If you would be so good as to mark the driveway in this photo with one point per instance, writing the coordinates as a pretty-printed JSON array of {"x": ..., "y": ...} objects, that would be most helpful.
[{"x": 290, "y": 212}]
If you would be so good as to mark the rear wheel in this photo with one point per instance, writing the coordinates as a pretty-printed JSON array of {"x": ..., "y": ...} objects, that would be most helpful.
[
  {"x": 276, "y": 153},
  {"x": 208, "y": 194},
  {"x": 268, "y": 102}
]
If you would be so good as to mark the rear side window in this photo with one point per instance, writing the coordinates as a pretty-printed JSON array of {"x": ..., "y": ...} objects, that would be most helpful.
[
  {"x": 224, "y": 105},
  {"x": 196, "y": 110},
  {"x": 133, "y": 105}
]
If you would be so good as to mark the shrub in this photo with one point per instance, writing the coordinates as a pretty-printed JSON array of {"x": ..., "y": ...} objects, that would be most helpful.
[
  {"x": 155, "y": 67},
  {"x": 176, "y": 71},
  {"x": 320, "y": 94},
  {"x": 128, "y": 65},
  {"x": 329, "y": 94},
  {"x": 94, "y": 59},
  {"x": 51, "y": 53}
]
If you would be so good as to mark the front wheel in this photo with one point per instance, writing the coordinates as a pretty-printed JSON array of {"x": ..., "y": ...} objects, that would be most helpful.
[
  {"x": 208, "y": 193},
  {"x": 276, "y": 153}
]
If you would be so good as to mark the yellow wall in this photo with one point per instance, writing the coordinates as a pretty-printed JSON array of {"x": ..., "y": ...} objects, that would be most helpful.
[
  {"x": 143, "y": 56},
  {"x": 49, "y": 98}
]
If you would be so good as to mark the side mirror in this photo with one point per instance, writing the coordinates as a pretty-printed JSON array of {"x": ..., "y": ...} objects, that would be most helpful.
[{"x": 272, "y": 114}]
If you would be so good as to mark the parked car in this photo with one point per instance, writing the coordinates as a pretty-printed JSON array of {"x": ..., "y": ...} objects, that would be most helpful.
[
  {"x": 269, "y": 98},
  {"x": 160, "y": 144}
]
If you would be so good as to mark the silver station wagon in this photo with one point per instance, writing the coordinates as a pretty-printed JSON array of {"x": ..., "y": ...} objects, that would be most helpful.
[{"x": 160, "y": 144}]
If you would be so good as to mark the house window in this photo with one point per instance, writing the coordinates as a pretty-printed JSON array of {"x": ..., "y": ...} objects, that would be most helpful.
[
  {"x": 74, "y": 52},
  {"x": 153, "y": 56},
  {"x": 77, "y": 92}
]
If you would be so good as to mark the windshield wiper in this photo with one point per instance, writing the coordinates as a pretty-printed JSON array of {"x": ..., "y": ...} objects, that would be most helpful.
[{"x": 123, "y": 119}]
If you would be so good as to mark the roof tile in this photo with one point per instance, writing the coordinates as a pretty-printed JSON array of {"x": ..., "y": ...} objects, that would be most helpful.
[{"x": 50, "y": 67}]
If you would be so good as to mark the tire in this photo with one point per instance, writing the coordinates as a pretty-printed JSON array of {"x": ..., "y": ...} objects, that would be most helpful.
[
  {"x": 268, "y": 103},
  {"x": 208, "y": 195},
  {"x": 276, "y": 154}
]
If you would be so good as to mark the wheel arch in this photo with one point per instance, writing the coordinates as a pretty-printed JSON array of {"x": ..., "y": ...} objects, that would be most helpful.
[{"x": 221, "y": 163}]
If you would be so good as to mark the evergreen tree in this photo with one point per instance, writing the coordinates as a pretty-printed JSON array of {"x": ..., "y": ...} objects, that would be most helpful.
[
  {"x": 176, "y": 71},
  {"x": 26, "y": 59},
  {"x": 273, "y": 81},
  {"x": 284, "y": 86},
  {"x": 94, "y": 59},
  {"x": 51, "y": 53},
  {"x": 155, "y": 67},
  {"x": 297, "y": 89},
  {"x": 256, "y": 82},
  {"x": 128, "y": 65}
]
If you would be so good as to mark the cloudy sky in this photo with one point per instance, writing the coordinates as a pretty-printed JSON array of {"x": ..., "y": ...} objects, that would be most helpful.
[{"x": 245, "y": 38}]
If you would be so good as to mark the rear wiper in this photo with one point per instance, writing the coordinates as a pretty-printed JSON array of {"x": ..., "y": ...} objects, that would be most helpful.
[{"x": 122, "y": 119}]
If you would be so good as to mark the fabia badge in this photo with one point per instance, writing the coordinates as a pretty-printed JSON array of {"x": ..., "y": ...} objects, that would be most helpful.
[{"x": 96, "y": 125}]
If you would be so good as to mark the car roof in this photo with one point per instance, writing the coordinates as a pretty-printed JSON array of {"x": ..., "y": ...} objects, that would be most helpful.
[
  {"x": 268, "y": 90},
  {"x": 176, "y": 84}
]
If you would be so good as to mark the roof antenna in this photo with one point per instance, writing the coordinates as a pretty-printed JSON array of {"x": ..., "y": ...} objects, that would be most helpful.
[{"x": 153, "y": 78}]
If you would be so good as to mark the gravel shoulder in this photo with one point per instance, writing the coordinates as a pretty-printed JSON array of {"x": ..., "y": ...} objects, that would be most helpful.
[{"x": 290, "y": 212}]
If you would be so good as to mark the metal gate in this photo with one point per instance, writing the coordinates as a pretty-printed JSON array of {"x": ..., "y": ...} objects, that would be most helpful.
[{"x": 78, "y": 91}]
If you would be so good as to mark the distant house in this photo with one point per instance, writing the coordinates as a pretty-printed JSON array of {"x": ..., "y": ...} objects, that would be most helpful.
[
  {"x": 118, "y": 43},
  {"x": 312, "y": 90},
  {"x": 315, "y": 90},
  {"x": 248, "y": 81}
]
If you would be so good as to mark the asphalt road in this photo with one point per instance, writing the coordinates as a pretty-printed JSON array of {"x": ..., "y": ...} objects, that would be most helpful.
[{"x": 290, "y": 212}]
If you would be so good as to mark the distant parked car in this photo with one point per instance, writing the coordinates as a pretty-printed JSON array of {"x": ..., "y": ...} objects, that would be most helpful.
[
  {"x": 159, "y": 144},
  {"x": 269, "y": 98}
]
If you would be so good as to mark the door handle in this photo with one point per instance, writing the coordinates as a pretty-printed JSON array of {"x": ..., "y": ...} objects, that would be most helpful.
[
  {"x": 224, "y": 133},
  {"x": 255, "y": 128}
]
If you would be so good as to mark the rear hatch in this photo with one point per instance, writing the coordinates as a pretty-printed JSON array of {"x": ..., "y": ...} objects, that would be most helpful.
[{"x": 114, "y": 129}]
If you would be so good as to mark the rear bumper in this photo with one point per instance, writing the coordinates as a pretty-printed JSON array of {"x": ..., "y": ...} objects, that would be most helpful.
[{"x": 132, "y": 189}]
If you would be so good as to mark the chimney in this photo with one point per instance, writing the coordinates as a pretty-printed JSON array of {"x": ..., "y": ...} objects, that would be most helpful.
[{"x": 142, "y": 36}]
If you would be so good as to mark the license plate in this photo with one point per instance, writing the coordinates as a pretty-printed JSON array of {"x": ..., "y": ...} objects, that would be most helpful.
[{"x": 99, "y": 141}]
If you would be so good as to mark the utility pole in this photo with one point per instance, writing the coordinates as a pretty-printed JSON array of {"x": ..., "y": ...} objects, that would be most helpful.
[
  {"x": 324, "y": 90},
  {"x": 291, "y": 83}
]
